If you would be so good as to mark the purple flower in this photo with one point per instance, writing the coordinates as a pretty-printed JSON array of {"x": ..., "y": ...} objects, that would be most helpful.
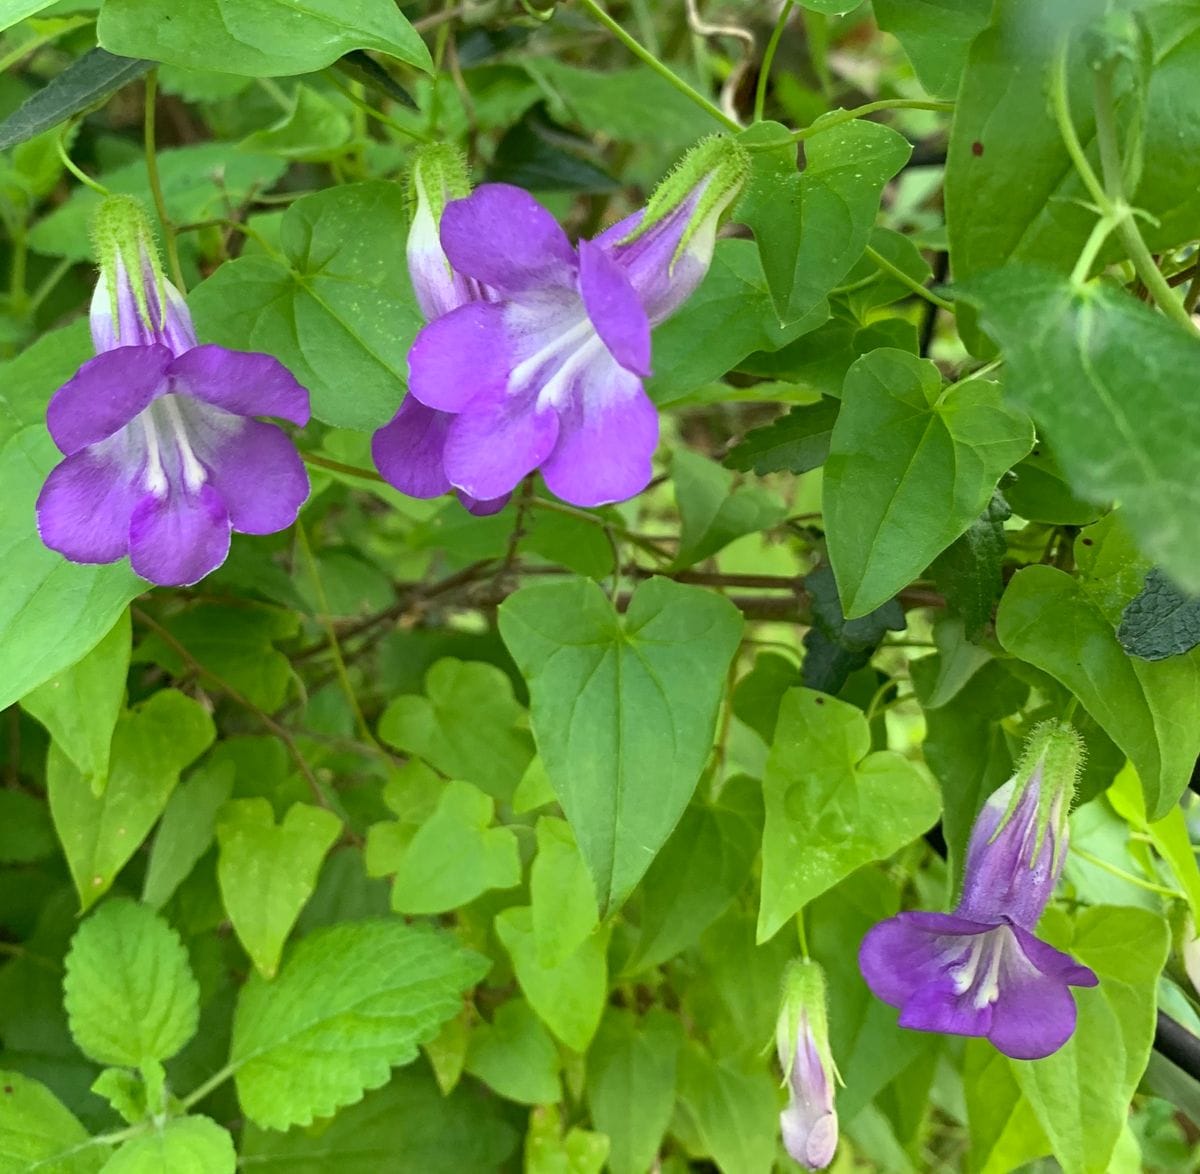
[
  {"x": 540, "y": 363},
  {"x": 981, "y": 971},
  {"x": 809, "y": 1124},
  {"x": 408, "y": 450},
  {"x": 163, "y": 456}
]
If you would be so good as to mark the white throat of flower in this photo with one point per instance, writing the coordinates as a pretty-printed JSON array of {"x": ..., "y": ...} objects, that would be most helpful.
[
  {"x": 163, "y": 424},
  {"x": 977, "y": 971}
]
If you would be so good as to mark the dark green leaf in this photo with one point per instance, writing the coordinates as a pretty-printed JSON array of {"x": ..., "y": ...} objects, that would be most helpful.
[
  {"x": 795, "y": 443},
  {"x": 1038, "y": 491},
  {"x": 1161, "y": 621},
  {"x": 757, "y": 696},
  {"x": 967, "y": 572},
  {"x": 936, "y": 35},
  {"x": 539, "y": 155}
]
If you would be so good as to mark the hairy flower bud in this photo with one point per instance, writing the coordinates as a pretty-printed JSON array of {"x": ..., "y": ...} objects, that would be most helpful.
[
  {"x": 439, "y": 175},
  {"x": 809, "y": 1124}
]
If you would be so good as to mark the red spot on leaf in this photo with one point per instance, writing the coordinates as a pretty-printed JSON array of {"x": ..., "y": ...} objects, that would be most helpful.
[{"x": 976, "y": 148}]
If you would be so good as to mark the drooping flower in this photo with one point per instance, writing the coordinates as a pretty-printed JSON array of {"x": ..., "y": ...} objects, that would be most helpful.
[
  {"x": 809, "y": 1124},
  {"x": 408, "y": 451},
  {"x": 543, "y": 367},
  {"x": 163, "y": 456},
  {"x": 981, "y": 970}
]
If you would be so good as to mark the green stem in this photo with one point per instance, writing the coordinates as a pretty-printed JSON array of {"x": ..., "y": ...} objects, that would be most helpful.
[
  {"x": 646, "y": 57},
  {"x": 908, "y": 282},
  {"x": 764, "y": 70},
  {"x": 1103, "y": 864},
  {"x": 802, "y": 934},
  {"x": 321, "y": 462},
  {"x": 838, "y": 117},
  {"x": 1061, "y": 100},
  {"x": 74, "y": 168},
  {"x": 557, "y": 507},
  {"x": 217, "y": 1079},
  {"x": 18, "y": 272},
  {"x": 160, "y": 203},
  {"x": 46, "y": 287}
]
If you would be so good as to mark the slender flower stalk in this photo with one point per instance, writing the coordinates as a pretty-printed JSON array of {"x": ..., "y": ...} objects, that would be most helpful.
[
  {"x": 809, "y": 1124},
  {"x": 163, "y": 456},
  {"x": 539, "y": 365},
  {"x": 981, "y": 970}
]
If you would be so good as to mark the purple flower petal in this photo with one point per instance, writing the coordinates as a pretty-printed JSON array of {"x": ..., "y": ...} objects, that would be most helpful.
[
  {"x": 241, "y": 382},
  {"x": 408, "y": 450},
  {"x": 461, "y": 358},
  {"x": 502, "y": 236},
  {"x": 170, "y": 327},
  {"x": 482, "y": 509},
  {"x": 614, "y": 308},
  {"x": 105, "y": 394},
  {"x": 255, "y": 469},
  {"x": 83, "y": 510},
  {"x": 607, "y": 437},
  {"x": 489, "y": 451},
  {"x": 938, "y": 1007},
  {"x": 177, "y": 539}
]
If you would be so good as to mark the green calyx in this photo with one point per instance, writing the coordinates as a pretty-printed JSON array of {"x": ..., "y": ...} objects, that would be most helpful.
[
  {"x": 121, "y": 232},
  {"x": 803, "y": 1000},
  {"x": 716, "y": 168},
  {"x": 1055, "y": 752},
  {"x": 439, "y": 175}
]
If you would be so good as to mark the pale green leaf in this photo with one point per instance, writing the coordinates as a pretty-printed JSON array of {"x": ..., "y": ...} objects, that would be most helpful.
[
  {"x": 129, "y": 990},
  {"x": 268, "y": 872},
  {"x": 1004, "y": 1130},
  {"x": 182, "y": 1145},
  {"x": 560, "y": 893},
  {"x": 936, "y": 35},
  {"x": 36, "y": 1128},
  {"x": 350, "y": 1003},
  {"x": 516, "y": 1056}
]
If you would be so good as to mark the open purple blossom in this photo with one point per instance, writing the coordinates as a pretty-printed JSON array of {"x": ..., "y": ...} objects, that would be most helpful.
[
  {"x": 981, "y": 970},
  {"x": 163, "y": 456},
  {"x": 809, "y": 1124},
  {"x": 540, "y": 364}
]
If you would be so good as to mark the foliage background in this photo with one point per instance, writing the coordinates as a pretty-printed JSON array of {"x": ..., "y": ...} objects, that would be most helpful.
[{"x": 312, "y": 810}]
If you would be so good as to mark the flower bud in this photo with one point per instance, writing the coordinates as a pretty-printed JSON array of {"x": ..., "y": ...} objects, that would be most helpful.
[
  {"x": 439, "y": 175},
  {"x": 134, "y": 304},
  {"x": 666, "y": 249},
  {"x": 809, "y": 1123},
  {"x": 1019, "y": 842}
]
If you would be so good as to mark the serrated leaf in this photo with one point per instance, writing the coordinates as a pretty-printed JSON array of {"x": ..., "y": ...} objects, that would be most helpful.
[
  {"x": 37, "y": 1131},
  {"x": 181, "y": 1145},
  {"x": 1151, "y": 710},
  {"x": 568, "y": 997},
  {"x": 268, "y": 872},
  {"x": 831, "y": 805},
  {"x": 712, "y": 511},
  {"x": 151, "y": 745},
  {"x": 795, "y": 443},
  {"x": 910, "y": 468},
  {"x": 468, "y": 726},
  {"x": 516, "y": 1056},
  {"x": 129, "y": 991},
  {"x": 80, "y": 705},
  {"x": 969, "y": 571},
  {"x": 623, "y": 709},
  {"x": 836, "y": 199},
  {"x": 1160, "y": 621},
  {"x": 86, "y": 82},
  {"x": 351, "y": 1002},
  {"x": 260, "y": 38}
]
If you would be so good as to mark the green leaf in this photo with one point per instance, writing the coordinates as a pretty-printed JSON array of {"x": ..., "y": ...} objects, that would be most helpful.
[
  {"x": 80, "y": 705},
  {"x": 14, "y": 11},
  {"x": 1038, "y": 491},
  {"x": 631, "y": 1084},
  {"x": 468, "y": 726},
  {"x": 623, "y": 709},
  {"x": 1005, "y": 1133},
  {"x": 39, "y": 587},
  {"x": 548, "y": 1150},
  {"x": 568, "y": 997},
  {"x": 757, "y": 695},
  {"x": 560, "y": 893},
  {"x": 835, "y": 646},
  {"x": 733, "y": 312},
  {"x": 831, "y": 806},
  {"x": 37, "y": 1129},
  {"x": 910, "y": 468},
  {"x": 337, "y": 309},
  {"x": 129, "y": 990},
  {"x": 26, "y": 833},
  {"x": 315, "y": 129},
  {"x": 1160, "y": 621},
  {"x": 408, "y": 1124},
  {"x": 1096, "y": 369},
  {"x": 454, "y": 856},
  {"x": 88, "y": 81},
  {"x": 1151, "y": 710},
  {"x": 186, "y": 830},
  {"x": 181, "y": 1145},
  {"x": 734, "y": 1112},
  {"x": 515, "y": 1055},
  {"x": 936, "y": 35},
  {"x": 700, "y": 870},
  {"x": 713, "y": 513},
  {"x": 969, "y": 570},
  {"x": 151, "y": 745},
  {"x": 267, "y": 872},
  {"x": 836, "y": 199},
  {"x": 1081, "y": 1094},
  {"x": 795, "y": 443},
  {"x": 351, "y": 1002},
  {"x": 260, "y": 38}
]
